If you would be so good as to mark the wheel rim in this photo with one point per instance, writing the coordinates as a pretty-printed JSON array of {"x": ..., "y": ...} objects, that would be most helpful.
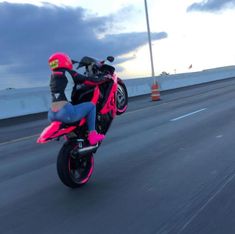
[
  {"x": 81, "y": 168},
  {"x": 121, "y": 97}
]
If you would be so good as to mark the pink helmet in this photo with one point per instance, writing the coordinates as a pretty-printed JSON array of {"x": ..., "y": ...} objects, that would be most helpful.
[{"x": 60, "y": 60}]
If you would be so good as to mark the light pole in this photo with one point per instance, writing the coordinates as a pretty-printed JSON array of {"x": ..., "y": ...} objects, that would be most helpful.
[
  {"x": 155, "y": 88},
  {"x": 149, "y": 39}
]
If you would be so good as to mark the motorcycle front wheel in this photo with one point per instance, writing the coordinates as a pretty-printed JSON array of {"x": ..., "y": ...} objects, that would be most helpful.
[
  {"x": 74, "y": 171},
  {"x": 121, "y": 99}
]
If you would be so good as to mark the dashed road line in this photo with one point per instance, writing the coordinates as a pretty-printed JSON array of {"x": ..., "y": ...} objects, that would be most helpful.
[
  {"x": 189, "y": 114},
  {"x": 18, "y": 139}
]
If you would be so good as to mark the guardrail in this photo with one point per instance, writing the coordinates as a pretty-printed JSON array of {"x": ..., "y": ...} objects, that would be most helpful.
[{"x": 18, "y": 102}]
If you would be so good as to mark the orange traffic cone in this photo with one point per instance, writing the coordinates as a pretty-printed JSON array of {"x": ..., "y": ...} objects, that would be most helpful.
[{"x": 155, "y": 92}]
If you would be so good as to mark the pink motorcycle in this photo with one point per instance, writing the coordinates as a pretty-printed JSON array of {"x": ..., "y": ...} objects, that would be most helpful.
[{"x": 75, "y": 161}]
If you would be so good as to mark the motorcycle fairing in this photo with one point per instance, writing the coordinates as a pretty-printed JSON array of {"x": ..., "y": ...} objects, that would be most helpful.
[
  {"x": 111, "y": 103},
  {"x": 54, "y": 130},
  {"x": 96, "y": 95}
]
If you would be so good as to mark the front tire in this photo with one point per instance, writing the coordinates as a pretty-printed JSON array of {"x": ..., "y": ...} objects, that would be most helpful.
[
  {"x": 74, "y": 171},
  {"x": 121, "y": 98}
]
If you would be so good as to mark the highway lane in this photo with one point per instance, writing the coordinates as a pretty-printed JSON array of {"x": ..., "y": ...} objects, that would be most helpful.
[{"x": 165, "y": 167}]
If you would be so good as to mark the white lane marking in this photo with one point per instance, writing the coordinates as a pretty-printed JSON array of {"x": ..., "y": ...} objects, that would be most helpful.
[
  {"x": 219, "y": 136},
  {"x": 201, "y": 209},
  {"x": 29, "y": 137},
  {"x": 138, "y": 110},
  {"x": 189, "y": 114},
  {"x": 19, "y": 139}
]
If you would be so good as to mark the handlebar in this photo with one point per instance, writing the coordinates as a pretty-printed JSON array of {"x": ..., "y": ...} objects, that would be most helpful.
[{"x": 93, "y": 65}]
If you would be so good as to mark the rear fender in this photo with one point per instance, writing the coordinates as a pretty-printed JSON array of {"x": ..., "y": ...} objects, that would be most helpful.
[{"x": 54, "y": 130}]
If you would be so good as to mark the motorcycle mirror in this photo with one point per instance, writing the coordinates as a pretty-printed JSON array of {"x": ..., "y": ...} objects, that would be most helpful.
[
  {"x": 110, "y": 59},
  {"x": 74, "y": 61},
  {"x": 79, "y": 65}
]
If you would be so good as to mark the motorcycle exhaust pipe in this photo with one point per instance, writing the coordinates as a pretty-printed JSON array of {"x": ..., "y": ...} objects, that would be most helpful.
[{"x": 88, "y": 150}]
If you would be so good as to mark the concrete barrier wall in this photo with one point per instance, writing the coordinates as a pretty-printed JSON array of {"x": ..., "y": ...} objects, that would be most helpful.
[
  {"x": 143, "y": 85},
  {"x": 182, "y": 80},
  {"x": 18, "y": 102}
]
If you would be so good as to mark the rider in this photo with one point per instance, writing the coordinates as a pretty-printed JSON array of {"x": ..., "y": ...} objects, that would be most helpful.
[{"x": 61, "y": 109}]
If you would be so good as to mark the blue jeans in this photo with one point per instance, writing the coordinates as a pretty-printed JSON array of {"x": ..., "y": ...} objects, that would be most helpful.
[{"x": 73, "y": 113}]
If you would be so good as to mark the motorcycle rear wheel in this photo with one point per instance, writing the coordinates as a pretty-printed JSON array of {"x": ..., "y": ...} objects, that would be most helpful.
[{"x": 73, "y": 171}]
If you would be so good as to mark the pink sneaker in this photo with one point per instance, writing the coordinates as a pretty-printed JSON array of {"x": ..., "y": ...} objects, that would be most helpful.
[{"x": 95, "y": 137}]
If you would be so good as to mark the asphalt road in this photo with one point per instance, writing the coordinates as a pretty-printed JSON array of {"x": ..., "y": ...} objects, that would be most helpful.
[{"x": 164, "y": 167}]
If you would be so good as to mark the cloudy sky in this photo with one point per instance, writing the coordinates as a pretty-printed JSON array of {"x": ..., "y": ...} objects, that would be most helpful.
[{"x": 184, "y": 32}]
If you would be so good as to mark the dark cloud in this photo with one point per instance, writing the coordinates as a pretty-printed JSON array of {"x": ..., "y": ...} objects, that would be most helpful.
[
  {"x": 212, "y": 5},
  {"x": 30, "y": 34}
]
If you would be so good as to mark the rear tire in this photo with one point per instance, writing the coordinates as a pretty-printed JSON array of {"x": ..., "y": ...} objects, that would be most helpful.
[{"x": 74, "y": 171}]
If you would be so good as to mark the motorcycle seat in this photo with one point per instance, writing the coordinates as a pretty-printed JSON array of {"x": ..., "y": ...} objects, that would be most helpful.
[
  {"x": 70, "y": 124},
  {"x": 80, "y": 122}
]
